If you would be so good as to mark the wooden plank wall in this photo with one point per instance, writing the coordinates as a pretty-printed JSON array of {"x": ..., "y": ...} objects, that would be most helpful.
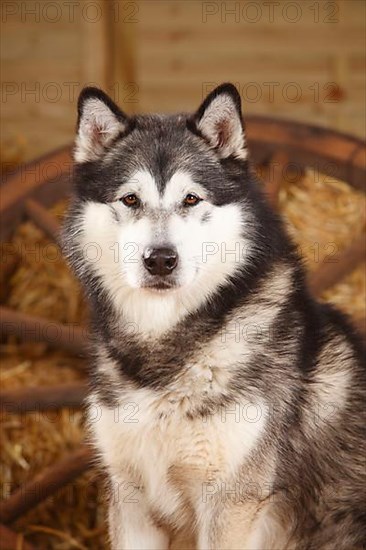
[
  {"x": 47, "y": 54},
  {"x": 302, "y": 60},
  {"x": 185, "y": 46}
]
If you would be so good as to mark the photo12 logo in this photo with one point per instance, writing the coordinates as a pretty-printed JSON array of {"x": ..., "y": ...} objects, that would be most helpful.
[
  {"x": 290, "y": 92},
  {"x": 70, "y": 11},
  {"x": 269, "y": 12},
  {"x": 68, "y": 91}
]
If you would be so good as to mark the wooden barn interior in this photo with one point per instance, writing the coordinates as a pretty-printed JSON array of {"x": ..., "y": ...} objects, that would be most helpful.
[
  {"x": 296, "y": 60},
  {"x": 302, "y": 62}
]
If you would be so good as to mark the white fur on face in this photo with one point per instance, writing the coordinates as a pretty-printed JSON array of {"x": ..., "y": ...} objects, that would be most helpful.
[
  {"x": 143, "y": 185},
  {"x": 210, "y": 250}
]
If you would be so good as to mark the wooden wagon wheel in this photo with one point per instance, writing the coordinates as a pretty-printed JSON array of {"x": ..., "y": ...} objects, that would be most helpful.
[{"x": 35, "y": 186}]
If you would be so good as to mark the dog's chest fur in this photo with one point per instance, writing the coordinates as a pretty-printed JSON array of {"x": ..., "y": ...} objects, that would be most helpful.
[
  {"x": 173, "y": 451},
  {"x": 194, "y": 434}
]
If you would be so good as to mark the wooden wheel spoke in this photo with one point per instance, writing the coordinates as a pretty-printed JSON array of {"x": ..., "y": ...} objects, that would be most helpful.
[
  {"x": 42, "y": 398},
  {"x": 332, "y": 272},
  {"x": 333, "y": 153},
  {"x": 37, "y": 329},
  {"x": 48, "y": 179},
  {"x": 13, "y": 541},
  {"x": 45, "y": 484},
  {"x": 43, "y": 219}
]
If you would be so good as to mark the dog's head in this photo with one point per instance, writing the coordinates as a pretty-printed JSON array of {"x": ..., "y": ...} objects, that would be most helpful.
[{"x": 160, "y": 206}]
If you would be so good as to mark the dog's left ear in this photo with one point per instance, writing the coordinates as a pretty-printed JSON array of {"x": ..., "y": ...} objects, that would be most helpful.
[{"x": 219, "y": 121}]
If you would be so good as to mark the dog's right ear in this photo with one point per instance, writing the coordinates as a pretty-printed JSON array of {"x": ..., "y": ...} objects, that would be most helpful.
[
  {"x": 100, "y": 122},
  {"x": 219, "y": 122}
]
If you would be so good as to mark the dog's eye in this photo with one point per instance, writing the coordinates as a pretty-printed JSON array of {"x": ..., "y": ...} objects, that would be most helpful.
[
  {"x": 191, "y": 199},
  {"x": 131, "y": 200}
]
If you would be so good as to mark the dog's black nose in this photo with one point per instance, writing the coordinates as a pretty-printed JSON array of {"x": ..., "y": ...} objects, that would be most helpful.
[{"x": 160, "y": 261}]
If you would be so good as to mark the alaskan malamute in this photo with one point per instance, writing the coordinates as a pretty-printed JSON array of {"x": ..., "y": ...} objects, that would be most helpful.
[{"x": 225, "y": 401}]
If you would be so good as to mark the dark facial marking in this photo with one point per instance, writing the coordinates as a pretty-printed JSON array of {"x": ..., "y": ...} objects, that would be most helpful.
[
  {"x": 206, "y": 217},
  {"x": 115, "y": 214}
]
